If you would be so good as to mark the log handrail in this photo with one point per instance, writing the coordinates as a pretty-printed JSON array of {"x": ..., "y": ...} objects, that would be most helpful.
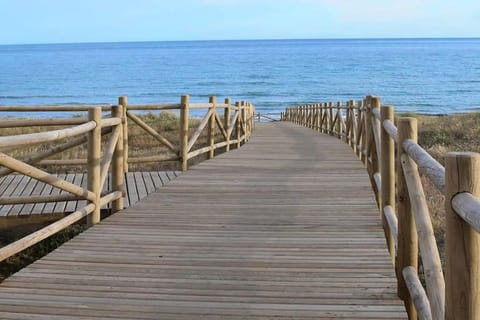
[
  {"x": 49, "y": 136},
  {"x": 90, "y": 130},
  {"x": 371, "y": 132}
]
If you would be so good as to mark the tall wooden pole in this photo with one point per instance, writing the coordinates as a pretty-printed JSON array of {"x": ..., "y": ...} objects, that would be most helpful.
[
  {"x": 462, "y": 265},
  {"x": 238, "y": 124},
  {"x": 117, "y": 183},
  {"x": 211, "y": 127},
  {"x": 93, "y": 168},
  {"x": 387, "y": 167},
  {"x": 123, "y": 101},
  {"x": 184, "y": 116},
  {"x": 407, "y": 233},
  {"x": 226, "y": 121}
]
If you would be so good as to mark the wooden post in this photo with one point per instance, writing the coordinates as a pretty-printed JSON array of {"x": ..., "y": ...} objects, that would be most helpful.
[
  {"x": 374, "y": 135},
  {"x": 331, "y": 119},
  {"x": 314, "y": 116},
  {"x": 123, "y": 101},
  {"x": 226, "y": 121},
  {"x": 238, "y": 125},
  {"x": 211, "y": 127},
  {"x": 367, "y": 120},
  {"x": 93, "y": 167},
  {"x": 462, "y": 265},
  {"x": 360, "y": 136},
  {"x": 117, "y": 183},
  {"x": 387, "y": 167},
  {"x": 338, "y": 126},
  {"x": 184, "y": 117},
  {"x": 407, "y": 233},
  {"x": 322, "y": 114}
]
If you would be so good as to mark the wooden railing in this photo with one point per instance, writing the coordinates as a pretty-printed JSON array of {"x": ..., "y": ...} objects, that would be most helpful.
[
  {"x": 393, "y": 159},
  {"x": 112, "y": 132},
  {"x": 235, "y": 126},
  {"x": 268, "y": 116}
]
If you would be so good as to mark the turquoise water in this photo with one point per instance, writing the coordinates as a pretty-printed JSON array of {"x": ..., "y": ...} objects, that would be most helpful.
[{"x": 419, "y": 75}]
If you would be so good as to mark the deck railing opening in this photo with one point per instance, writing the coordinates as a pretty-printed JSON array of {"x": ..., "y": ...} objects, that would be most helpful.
[{"x": 393, "y": 160}]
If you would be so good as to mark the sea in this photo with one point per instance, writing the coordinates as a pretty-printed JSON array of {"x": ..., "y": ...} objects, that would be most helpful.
[{"x": 431, "y": 76}]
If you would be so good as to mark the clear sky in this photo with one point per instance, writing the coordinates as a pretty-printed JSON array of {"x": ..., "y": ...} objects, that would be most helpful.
[{"x": 59, "y": 21}]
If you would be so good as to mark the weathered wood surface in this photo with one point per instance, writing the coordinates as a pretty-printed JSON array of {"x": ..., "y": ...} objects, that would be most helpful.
[
  {"x": 138, "y": 186},
  {"x": 284, "y": 228}
]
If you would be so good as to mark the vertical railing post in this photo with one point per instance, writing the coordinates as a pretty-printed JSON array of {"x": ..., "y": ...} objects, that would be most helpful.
[
  {"x": 368, "y": 136},
  {"x": 347, "y": 123},
  {"x": 244, "y": 120},
  {"x": 238, "y": 124},
  {"x": 93, "y": 164},
  {"x": 387, "y": 171},
  {"x": 330, "y": 120},
  {"x": 352, "y": 126},
  {"x": 323, "y": 112},
  {"x": 375, "y": 144},
  {"x": 226, "y": 121},
  {"x": 462, "y": 254},
  {"x": 313, "y": 114},
  {"x": 123, "y": 101},
  {"x": 407, "y": 234},
  {"x": 339, "y": 126},
  {"x": 118, "y": 176},
  {"x": 184, "y": 117},
  {"x": 251, "y": 113},
  {"x": 211, "y": 126},
  {"x": 360, "y": 137}
]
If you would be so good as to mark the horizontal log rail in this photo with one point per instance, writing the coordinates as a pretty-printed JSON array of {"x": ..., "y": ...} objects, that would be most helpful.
[
  {"x": 106, "y": 137},
  {"x": 393, "y": 160}
]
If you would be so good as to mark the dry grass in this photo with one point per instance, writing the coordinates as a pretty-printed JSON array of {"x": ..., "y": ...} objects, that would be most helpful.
[
  {"x": 440, "y": 135},
  {"x": 140, "y": 144}
]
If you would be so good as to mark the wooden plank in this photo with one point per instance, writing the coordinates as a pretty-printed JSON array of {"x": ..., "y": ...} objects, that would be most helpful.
[
  {"x": 50, "y": 206},
  {"x": 164, "y": 177},
  {"x": 157, "y": 181},
  {"x": 60, "y": 206},
  {"x": 171, "y": 175},
  {"x": 82, "y": 203},
  {"x": 140, "y": 183},
  {"x": 36, "y": 191},
  {"x": 27, "y": 191},
  {"x": 16, "y": 186},
  {"x": 71, "y": 205},
  {"x": 263, "y": 232},
  {"x": 147, "y": 178},
  {"x": 131, "y": 188}
]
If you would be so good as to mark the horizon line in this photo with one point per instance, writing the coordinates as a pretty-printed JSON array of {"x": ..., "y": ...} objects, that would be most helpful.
[{"x": 233, "y": 40}]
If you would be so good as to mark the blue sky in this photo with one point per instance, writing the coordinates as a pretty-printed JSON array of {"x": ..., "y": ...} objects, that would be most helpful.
[{"x": 60, "y": 21}]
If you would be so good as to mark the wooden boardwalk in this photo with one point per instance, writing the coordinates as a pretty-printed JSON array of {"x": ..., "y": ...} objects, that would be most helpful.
[
  {"x": 284, "y": 228},
  {"x": 137, "y": 184}
]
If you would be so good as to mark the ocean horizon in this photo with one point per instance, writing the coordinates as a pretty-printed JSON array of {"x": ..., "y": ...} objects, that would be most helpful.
[{"x": 423, "y": 75}]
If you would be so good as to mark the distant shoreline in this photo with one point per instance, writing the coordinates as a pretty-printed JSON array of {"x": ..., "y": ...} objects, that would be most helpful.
[{"x": 243, "y": 40}]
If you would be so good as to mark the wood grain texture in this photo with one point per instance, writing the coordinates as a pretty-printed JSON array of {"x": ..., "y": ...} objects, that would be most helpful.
[
  {"x": 138, "y": 185},
  {"x": 284, "y": 228}
]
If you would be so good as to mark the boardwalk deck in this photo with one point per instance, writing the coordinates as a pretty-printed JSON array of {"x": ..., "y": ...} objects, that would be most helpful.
[
  {"x": 285, "y": 228},
  {"x": 138, "y": 186}
]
